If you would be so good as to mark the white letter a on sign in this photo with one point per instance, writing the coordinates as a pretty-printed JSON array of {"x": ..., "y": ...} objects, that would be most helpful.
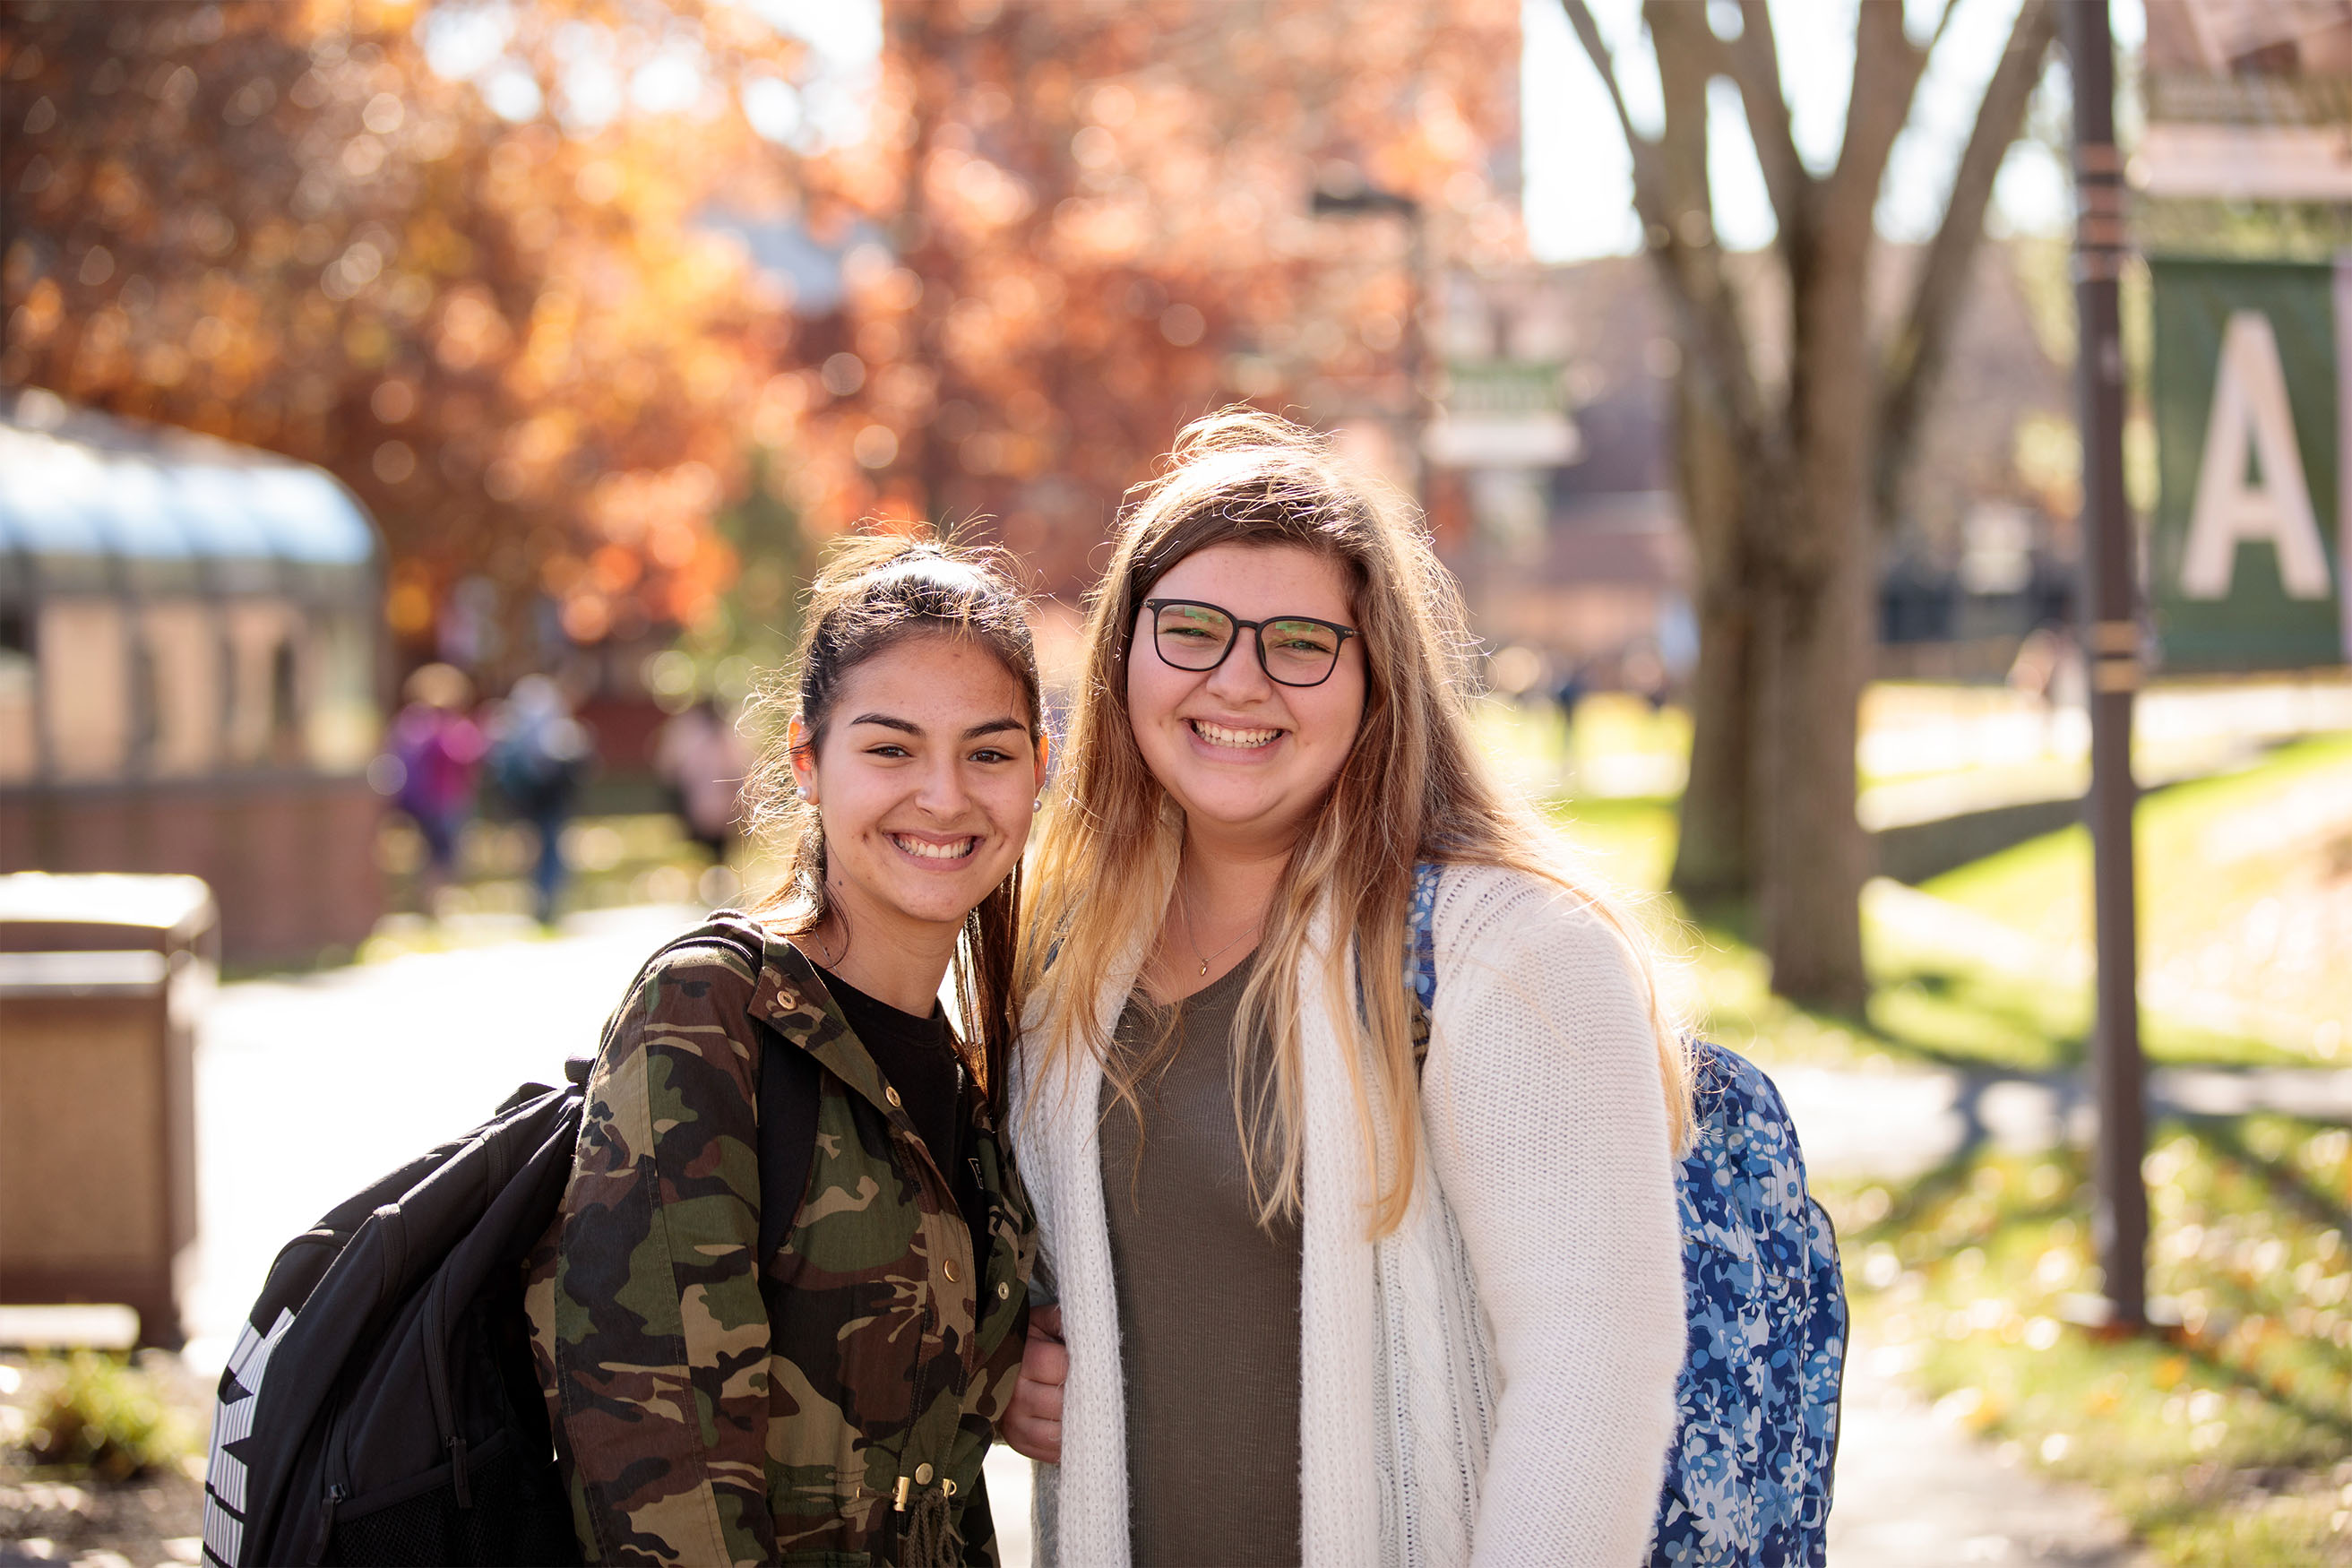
[{"x": 2251, "y": 417}]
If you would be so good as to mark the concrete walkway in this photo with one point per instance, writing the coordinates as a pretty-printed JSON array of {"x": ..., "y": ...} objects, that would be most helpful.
[
  {"x": 1899, "y": 1123},
  {"x": 310, "y": 1087},
  {"x": 1913, "y": 1491}
]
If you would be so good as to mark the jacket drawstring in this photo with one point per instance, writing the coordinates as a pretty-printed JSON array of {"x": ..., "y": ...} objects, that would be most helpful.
[{"x": 929, "y": 1538}]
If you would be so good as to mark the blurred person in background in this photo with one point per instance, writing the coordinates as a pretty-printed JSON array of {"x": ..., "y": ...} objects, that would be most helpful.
[
  {"x": 830, "y": 1398},
  {"x": 701, "y": 761},
  {"x": 539, "y": 755},
  {"x": 439, "y": 752},
  {"x": 1567, "y": 694},
  {"x": 1346, "y": 1273}
]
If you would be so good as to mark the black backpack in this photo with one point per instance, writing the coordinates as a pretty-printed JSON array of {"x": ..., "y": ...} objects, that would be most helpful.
[{"x": 382, "y": 1404}]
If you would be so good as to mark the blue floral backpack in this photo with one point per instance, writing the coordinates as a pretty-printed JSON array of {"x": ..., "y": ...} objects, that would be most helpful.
[{"x": 1749, "y": 1475}]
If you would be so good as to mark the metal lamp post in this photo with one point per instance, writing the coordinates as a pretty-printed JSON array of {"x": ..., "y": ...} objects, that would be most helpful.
[{"x": 2120, "y": 1225}]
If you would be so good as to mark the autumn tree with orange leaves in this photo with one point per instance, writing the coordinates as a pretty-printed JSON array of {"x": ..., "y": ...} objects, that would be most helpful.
[
  {"x": 278, "y": 224},
  {"x": 506, "y": 316},
  {"x": 1100, "y": 226}
]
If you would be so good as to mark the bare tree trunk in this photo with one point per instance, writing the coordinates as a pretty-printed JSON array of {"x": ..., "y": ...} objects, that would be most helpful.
[
  {"x": 1713, "y": 855},
  {"x": 1814, "y": 633},
  {"x": 1809, "y": 646},
  {"x": 1713, "y": 861},
  {"x": 1813, "y": 639},
  {"x": 1916, "y": 357},
  {"x": 1781, "y": 485}
]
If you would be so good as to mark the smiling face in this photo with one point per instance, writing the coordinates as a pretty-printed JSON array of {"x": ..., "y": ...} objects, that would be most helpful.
[
  {"x": 1248, "y": 758},
  {"x": 922, "y": 780}
]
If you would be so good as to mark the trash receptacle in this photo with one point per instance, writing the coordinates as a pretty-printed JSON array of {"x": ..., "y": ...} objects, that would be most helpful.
[{"x": 101, "y": 980}]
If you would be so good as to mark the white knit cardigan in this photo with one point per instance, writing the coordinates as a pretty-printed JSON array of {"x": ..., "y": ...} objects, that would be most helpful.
[{"x": 1493, "y": 1382}]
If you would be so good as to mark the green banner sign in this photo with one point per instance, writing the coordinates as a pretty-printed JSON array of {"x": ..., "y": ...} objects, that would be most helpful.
[{"x": 2253, "y": 521}]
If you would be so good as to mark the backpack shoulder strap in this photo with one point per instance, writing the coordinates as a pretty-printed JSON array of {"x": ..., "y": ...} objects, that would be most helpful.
[
  {"x": 790, "y": 1083},
  {"x": 1420, "y": 936},
  {"x": 1421, "y": 958}
]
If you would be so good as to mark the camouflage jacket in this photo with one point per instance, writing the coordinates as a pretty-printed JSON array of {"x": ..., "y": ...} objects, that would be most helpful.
[{"x": 832, "y": 1407}]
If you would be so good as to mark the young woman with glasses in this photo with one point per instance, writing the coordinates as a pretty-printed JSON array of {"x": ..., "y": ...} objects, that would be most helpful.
[{"x": 1335, "y": 1288}]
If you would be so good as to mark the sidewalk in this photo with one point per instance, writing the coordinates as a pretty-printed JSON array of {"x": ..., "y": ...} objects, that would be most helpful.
[
  {"x": 308, "y": 1088},
  {"x": 1900, "y": 1122},
  {"x": 1913, "y": 1492}
]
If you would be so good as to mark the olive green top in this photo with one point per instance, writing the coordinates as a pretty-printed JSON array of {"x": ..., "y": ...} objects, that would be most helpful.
[{"x": 1208, "y": 1305}]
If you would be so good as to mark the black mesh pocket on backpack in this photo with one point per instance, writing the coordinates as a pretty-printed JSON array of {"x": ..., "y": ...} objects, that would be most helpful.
[{"x": 520, "y": 1516}]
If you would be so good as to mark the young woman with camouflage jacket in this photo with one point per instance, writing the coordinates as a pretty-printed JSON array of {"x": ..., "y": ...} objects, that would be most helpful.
[{"x": 832, "y": 1402}]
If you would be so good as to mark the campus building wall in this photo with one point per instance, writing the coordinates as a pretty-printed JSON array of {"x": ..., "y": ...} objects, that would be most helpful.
[{"x": 290, "y": 856}]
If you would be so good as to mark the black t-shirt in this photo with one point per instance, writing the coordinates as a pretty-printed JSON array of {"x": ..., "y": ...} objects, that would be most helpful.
[{"x": 917, "y": 1058}]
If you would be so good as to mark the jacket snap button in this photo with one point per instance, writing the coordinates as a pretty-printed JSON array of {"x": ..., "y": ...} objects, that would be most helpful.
[
  {"x": 1004, "y": 1290},
  {"x": 922, "y": 1474},
  {"x": 948, "y": 1268},
  {"x": 891, "y": 1094}
]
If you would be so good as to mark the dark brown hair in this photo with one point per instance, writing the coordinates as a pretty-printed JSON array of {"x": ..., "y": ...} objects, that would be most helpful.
[{"x": 874, "y": 593}]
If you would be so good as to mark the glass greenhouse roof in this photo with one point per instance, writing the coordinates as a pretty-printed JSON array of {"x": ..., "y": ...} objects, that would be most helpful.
[{"x": 75, "y": 484}]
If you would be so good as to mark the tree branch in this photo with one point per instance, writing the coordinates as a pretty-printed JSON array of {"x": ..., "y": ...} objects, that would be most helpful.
[
  {"x": 1754, "y": 66},
  {"x": 1886, "y": 69},
  {"x": 1689, "y": 57},
  {"x": 1649, "y": 199},
  {"x": 1943, "y": 21},
  {"x": 1916, "y": 358},
  {"x": 1672, "y": 199}
]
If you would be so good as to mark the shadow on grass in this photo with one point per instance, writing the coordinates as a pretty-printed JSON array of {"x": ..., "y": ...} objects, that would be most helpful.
[
  {"x": 1933, "y": 1014},
  {"x": 1981, "y": 1021},
  {"x": 2225, "y": 1139},
  {"x": 2325, "y": 1417},
  {"x": 1910, "y": 1204},
  {"x": 2296, "y": 1190},
  {"x": 1925, "y": 1222},
  {"x": 1927, "y": 1007}
]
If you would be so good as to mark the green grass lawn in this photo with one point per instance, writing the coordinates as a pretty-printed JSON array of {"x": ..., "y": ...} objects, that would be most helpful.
[
  {"x": 2246, "y": 908},
  {"x": 2226, "y": 1441},
  {"x": 1929, "y": 1006},
  {"x": 2245, "y": 904},
  {"x": 1939, "y": 1001}
]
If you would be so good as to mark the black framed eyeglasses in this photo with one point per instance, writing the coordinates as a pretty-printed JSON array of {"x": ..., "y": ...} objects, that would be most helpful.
[{"x": 1293, "y": 650}]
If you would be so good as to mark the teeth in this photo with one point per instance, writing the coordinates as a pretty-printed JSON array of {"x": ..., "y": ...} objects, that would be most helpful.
[
  {"x": 1218, "y": 735},
  {"x": 923, "y": 849}
]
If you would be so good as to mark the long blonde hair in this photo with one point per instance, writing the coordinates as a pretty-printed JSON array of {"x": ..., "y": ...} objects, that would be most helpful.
[{"x": 1412, "y": 788}]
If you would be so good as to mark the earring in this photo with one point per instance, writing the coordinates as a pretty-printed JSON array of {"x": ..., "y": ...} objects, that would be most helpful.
[{"x": 1037, "y": 805}]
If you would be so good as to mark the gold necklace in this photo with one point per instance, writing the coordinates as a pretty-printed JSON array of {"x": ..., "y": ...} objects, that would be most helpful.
[{"x": 1193, "y": 937}]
